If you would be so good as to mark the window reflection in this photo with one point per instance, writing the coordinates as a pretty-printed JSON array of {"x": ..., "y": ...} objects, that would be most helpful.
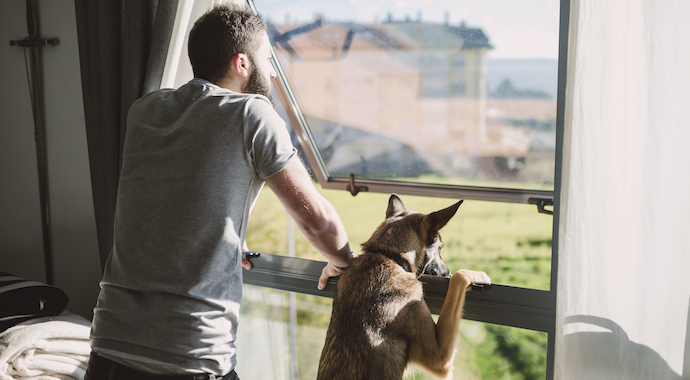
[{"x": 390, "y": 96}]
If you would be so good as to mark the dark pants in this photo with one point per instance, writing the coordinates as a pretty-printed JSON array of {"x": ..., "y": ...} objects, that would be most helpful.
[{"x": 101, "y": 368}]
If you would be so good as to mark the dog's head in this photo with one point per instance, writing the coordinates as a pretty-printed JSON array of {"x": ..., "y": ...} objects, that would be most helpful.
[{"x": 412, "y": 236}]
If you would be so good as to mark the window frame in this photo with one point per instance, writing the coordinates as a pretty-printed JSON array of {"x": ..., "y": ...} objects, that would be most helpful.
[
  {"x": 504, "y": 305},
  {"x": 355, "y": 185}
]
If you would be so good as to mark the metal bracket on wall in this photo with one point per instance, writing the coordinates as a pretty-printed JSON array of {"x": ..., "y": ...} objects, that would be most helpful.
[
  {"x": 35, "y": 45},
  {"x": 541, "y": 204},
  {"x": 35, "y": 42}
]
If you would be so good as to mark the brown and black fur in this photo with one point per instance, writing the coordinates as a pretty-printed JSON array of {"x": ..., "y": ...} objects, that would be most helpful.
[{"x": 380, "y": 322}]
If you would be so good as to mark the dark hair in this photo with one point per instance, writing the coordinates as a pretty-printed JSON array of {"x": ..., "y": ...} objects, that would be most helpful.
[{"x": 218, "y": 36}]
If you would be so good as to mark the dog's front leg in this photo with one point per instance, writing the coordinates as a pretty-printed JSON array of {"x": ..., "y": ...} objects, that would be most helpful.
[
  {"x": 435, "y": 348},
  {"x": 451, "y": 313}
]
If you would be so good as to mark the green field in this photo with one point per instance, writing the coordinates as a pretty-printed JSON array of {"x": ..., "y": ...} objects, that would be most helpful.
[{"x": 510, "y": 242}]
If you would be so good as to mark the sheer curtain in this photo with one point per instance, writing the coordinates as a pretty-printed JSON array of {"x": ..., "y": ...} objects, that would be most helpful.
[{"x": 624, "y": 249}]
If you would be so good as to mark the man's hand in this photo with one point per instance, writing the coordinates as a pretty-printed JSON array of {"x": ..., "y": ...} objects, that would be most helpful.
[
  {"x": 246, "y": 264},
  {"x": 328, "y": 271}
]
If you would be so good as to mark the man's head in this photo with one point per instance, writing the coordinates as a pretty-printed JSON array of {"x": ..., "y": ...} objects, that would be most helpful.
[{"x": 228, "y": 36}]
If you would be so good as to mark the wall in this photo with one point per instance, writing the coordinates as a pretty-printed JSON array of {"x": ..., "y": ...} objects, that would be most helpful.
[{"x": 77, "y": 268}]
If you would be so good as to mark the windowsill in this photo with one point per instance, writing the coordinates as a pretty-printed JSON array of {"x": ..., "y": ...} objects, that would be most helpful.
[{"x": 504, "y": 305}]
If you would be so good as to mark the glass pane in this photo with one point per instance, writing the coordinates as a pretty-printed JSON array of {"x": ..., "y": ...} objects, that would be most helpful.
[
  {"x": 449, "y": 92},
  {"x": 510, "y": 242},
  {"x": 281, "y": 336}
]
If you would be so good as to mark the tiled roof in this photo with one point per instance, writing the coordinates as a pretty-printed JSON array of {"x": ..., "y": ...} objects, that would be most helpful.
[{"x": 338, "y": 38}]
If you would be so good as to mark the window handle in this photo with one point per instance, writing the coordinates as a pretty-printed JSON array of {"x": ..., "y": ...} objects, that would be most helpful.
[
  {"x": 354, "y": 189},
  {"x": 541, "y": 205}
]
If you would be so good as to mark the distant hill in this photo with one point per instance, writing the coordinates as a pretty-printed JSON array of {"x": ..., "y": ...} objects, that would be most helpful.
[{"x": 526, "y": 75}]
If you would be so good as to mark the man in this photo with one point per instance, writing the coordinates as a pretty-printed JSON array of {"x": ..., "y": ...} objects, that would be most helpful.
[{"x": 194, "y": 162}]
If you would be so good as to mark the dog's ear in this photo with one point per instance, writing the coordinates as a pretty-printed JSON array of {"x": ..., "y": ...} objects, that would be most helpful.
[
  {"x": 436, "y": 220},
  {"x": 395, "y": 205}
]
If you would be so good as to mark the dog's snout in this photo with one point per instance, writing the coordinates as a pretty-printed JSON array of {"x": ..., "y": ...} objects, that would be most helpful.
[{"x": 437, "y": 268}]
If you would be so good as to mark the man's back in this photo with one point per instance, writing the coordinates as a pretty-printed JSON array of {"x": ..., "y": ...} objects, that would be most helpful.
[{"x": 193, "y": 164}]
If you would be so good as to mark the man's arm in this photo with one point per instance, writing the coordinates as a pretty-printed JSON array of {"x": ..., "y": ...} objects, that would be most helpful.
[{"x": 314, "y": 215}]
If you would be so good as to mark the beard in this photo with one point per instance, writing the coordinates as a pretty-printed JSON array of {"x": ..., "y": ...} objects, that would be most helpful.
[{"x": 257, "y": 85}]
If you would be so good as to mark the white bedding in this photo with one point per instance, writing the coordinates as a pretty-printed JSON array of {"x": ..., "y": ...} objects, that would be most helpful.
[{"x": 46, "y": 349}]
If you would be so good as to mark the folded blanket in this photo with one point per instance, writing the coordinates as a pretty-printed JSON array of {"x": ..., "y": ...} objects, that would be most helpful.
[
  {"x": 48, "y": 348},
  {"x": 22, "y": 300}
]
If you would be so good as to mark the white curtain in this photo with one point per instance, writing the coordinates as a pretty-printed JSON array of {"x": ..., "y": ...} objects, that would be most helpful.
[{"x": 624, "y": 261}]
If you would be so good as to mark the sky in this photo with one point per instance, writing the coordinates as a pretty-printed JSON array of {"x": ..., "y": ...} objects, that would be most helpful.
[{"x": 516, "y": 28}]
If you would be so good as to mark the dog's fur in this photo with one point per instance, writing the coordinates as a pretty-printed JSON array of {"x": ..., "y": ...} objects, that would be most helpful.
[{"x": 380, "y": 322}]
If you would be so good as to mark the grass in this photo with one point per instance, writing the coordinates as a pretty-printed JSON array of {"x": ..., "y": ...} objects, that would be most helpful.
[
  {"x": 510, "y": 242},
  {"x": 483, "y": 351}
]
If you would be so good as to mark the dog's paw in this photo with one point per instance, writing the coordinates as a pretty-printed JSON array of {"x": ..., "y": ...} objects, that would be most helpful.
[{"x": 474, "y": 277}]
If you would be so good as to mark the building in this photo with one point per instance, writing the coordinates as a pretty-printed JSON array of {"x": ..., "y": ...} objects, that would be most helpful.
[{"x": 418, "y": 83}]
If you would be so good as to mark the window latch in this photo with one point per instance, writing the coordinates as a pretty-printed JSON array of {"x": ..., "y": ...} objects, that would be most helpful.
[
  {"x": 541, "y": 204},
  {"x": 354, "y": 189}
]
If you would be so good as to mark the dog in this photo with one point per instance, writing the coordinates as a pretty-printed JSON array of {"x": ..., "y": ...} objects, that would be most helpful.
[{"x": 380, "y": 322}]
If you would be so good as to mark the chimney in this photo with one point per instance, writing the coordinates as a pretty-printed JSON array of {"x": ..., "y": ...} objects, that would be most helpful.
[{"x": 446, "y": 18}]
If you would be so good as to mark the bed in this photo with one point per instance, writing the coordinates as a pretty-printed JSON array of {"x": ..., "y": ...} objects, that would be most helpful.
[{"x": 38, "y": 338}]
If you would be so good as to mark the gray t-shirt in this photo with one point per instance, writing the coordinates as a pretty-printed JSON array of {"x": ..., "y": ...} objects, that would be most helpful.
[{"x": 194, "y": 162}]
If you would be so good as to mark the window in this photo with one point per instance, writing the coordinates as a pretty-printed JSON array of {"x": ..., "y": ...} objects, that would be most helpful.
[
  {"x": 455, "y": 74},
  {"x": 285, "y": 331},
  {"x": 458, "y": 61},
  {"x": 461, "y": 101}
]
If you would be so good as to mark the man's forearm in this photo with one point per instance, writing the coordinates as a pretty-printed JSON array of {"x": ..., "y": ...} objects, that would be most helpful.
[
  {"x": 327, "y": 234},
  {"x": 314, "y": 215}
]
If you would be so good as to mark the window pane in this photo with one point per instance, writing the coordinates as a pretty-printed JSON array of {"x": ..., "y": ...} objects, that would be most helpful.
[
  {"x": 510, "y": 242},
  {"x": 448, "y": 92},
  {"x": 282, "y": 333}
]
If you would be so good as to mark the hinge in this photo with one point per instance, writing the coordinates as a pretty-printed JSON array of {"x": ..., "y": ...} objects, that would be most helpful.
[{"x": 541, "y": 204}]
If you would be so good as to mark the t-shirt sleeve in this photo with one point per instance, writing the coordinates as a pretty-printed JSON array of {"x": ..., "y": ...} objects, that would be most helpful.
[{"x": 266, "y": 137}]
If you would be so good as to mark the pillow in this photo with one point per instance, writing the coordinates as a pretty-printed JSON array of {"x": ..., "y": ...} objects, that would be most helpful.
[{"x": 22, "y": 300}]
